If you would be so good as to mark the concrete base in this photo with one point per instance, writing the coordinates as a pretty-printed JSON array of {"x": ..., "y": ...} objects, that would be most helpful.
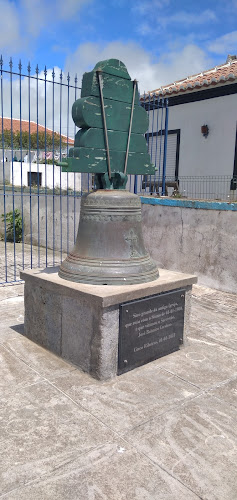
[{"x": 80, "y": 322}]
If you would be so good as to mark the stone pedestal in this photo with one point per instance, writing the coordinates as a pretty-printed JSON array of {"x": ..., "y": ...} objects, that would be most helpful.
[{"x": 80, "y": 322}]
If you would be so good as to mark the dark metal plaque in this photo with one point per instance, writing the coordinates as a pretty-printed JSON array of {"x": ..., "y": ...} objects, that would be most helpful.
[{"x": 150, "y": 328}]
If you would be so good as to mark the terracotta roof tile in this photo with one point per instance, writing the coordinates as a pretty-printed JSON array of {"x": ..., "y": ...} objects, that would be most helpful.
[
  {"x": 225, "y": 73},
  {"x": 25, "y": 128}
]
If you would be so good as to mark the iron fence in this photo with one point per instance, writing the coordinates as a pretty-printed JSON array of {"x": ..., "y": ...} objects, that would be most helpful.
[
  {"x": 209, "y": 187},
  {"x": 36, "y": 130},
  {"x": 40, "y": 204}
]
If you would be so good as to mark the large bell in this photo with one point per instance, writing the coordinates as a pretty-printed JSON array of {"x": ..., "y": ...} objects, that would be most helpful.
[{"x": 109, "y": 249}]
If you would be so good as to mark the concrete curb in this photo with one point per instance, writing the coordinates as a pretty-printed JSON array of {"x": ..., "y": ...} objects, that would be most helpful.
[{"x": 205, "y": 205}]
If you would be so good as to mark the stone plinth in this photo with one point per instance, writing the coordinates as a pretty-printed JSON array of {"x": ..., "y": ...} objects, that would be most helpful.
[{"x": 80, "y": 322}]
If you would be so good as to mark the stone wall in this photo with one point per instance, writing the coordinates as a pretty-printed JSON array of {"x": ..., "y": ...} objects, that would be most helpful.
[
  {"x": 57, "y": 211},
  {"x": 201, "y": 241}
]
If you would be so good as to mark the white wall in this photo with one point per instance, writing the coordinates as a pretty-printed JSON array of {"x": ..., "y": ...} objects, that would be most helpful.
[
  {"x": 74, "y": 181},
  {"x": 200, "y": 156}
]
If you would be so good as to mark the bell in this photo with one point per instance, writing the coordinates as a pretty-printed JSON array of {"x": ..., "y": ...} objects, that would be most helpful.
[{"x": 109, "y": 248}]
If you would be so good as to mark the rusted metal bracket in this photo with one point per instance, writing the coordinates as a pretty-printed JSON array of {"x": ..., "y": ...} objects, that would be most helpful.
[
  {"x": 130, "y": 125},
  {"x": 98, "y": 72}
]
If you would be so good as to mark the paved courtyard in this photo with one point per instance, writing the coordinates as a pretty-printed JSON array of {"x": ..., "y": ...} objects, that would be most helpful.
[
  {"x": 14, "y": 258},
  {"x": 165, "y": 431}
]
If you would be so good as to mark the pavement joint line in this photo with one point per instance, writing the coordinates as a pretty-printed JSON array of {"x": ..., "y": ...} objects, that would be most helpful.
[
  {"x": 108, "y": 426},
  {"x": 10, "y": 491},
  {"x": 85, "y": 409},
  {"x": 23, "y": 361},
  {"x": 176, "y": 407},
  {"x": 122, "y": 438},
  {"x": 162, "y": 368},
  {"x": 183, "y": 379},
  {"x": 181, "y": 402},
  {"x": 158, "y": 466},
  {"x": 27, "y": 364},
  {"x": 49, "y": 475},
  {"x": 218, "y": 384},
  {"x": 224, "y": 401},
  {"x": 213, "y": 342}
]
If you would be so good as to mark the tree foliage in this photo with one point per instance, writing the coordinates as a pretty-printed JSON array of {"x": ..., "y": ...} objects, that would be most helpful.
[
  {"x": 13, "y": 225},
  {"x": 25, "y": 140}
]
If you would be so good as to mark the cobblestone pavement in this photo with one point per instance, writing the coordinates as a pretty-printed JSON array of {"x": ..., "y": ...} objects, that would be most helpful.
[
  {"x": 16, "y": 258},
  {"x": 165, "y": 431}
]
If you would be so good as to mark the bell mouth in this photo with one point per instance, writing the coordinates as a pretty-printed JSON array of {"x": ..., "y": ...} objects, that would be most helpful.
[{"x": 109, "y": 272}]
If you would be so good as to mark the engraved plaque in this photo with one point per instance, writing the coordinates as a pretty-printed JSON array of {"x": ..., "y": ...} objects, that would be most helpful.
[{"x": 150, "y": 328}]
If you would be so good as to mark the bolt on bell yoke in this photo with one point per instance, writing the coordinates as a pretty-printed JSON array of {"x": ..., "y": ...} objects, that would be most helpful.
[{"x": 109, "y": 248}]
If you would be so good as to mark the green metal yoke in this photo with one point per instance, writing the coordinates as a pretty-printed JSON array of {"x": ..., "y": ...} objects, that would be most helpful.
[{"x": 111, "y": 142}]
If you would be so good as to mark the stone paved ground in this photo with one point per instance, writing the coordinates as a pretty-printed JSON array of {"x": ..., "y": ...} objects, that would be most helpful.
[
  {"x": 15, "y": 258},
  {"x": 165, "y": 431}
]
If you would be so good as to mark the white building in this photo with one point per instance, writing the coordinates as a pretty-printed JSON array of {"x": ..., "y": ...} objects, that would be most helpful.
[
  {"x": 202, "y": 133},
  {"x": 26, "y": 174}
]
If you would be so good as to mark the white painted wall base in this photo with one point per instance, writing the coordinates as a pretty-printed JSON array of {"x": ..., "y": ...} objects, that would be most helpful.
[{"x": 17, "y": 173}]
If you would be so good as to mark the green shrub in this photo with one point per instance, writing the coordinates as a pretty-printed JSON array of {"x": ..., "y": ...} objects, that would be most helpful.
[{"x": 13, "y": 219}]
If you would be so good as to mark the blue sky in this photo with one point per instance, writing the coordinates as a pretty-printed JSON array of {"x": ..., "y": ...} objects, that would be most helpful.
[{"x": 159, "y": 41}]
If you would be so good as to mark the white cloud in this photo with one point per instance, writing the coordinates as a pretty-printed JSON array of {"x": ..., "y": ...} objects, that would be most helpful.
[
  {"x": 224, "y": 44},
  {"x": 40, "y": 13},
  {"x": 36, "y": 13},
  {"x": 149, "y": 73},
  {"x": 63, "y": 98},
  {"x": 22, "y": 21},
  {"x": 185, "y": 18},
  {"x": 145, "y": 7},
  {"x": 9, "y": 27},
  {"x": 68, "y": 9},
  {"x": 145, "y": 29}
]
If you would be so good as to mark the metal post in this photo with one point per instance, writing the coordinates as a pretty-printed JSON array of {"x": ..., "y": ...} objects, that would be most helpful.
[{"x": 165, "y": 147}]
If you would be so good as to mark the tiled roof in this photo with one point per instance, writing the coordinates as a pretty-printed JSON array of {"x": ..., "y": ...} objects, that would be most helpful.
[
  {"x": 25, "y": 128},
  {"x": 223, "y": 74}
]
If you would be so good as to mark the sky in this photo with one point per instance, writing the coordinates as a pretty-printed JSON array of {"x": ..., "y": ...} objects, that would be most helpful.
[{"x": 160, "y": 41}]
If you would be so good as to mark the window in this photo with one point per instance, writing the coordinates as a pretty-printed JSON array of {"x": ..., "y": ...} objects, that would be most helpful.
[
  {"x": 34, "y": 178},
  {"x": 156, "y": 144},
  {"x": 233, "y": 184}
]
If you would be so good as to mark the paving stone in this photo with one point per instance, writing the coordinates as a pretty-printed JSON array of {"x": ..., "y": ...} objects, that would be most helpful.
[
  {"x": 202, "y": 363},
  {"x": 11, "y": 311},
  {"x": 14, "y": 372},
  {"x": 226, "y": 392},
  {"x": 196, "y": 444},
  {"x": 214, "y": 316},
  {"x": 42, "y": 361},
  {"x": 14, "y": 260},
  {"x": 164, "y": 431},
  {"x": 42, "y": 433},
  {"x": 112, "y": 471},
  {"x": 130, "y": 399}
]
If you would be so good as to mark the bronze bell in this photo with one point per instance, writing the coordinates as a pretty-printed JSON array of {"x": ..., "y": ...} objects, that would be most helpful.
[{"x": 109, "y": 248}]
